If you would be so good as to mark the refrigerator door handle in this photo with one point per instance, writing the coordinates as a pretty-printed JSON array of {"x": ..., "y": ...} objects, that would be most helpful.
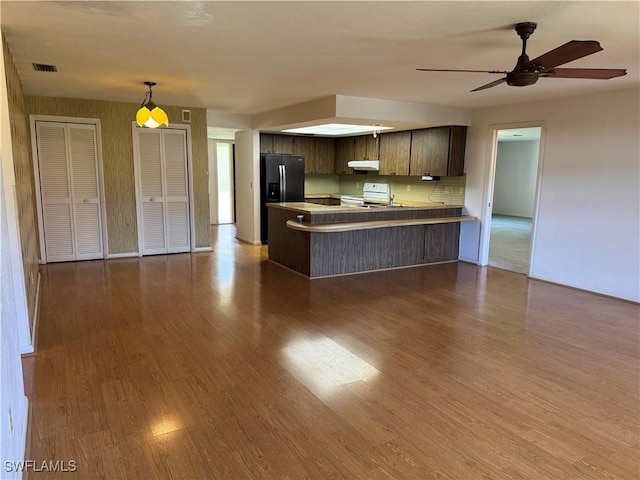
[
  {"x": 281, "y": 181},
  {"x": 284, "y": 182}
]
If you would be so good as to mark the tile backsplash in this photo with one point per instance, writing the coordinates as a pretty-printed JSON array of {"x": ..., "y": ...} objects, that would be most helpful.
[{"x": 449, "y": 190}]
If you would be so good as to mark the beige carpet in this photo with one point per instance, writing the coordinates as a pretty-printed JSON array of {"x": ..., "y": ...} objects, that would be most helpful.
[{"x": 510, "y": 243}]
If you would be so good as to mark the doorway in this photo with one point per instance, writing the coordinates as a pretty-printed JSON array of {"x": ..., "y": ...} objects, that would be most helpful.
[
  {"x": 512, "y": 191},
  {"x": 222, "y": 192}
]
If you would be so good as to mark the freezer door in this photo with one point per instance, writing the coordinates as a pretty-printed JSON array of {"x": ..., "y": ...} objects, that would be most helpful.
[
  {"x": 292, "y": 186},
  {"x": 271, "y": 178}
]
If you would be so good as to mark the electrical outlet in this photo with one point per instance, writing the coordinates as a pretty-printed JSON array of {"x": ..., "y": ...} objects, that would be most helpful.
[
  {"x": 408, "y": 188},
  {"x": 357, "y": 184}
]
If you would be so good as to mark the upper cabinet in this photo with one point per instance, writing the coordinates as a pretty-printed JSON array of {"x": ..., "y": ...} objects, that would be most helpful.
[
  {"x": 283, "y": 144},
  {"x": 324, "y": 155},
  {"x": 395, "y": 151},
  {"x": 344, "y": 153},
  {"x": 318, "y": 153},
  {"x": 457, "y": 144},
  {"x": 438, "y": 151},
  {"x": 266, "y": 143},
  {"x": 365, "y": 148}
]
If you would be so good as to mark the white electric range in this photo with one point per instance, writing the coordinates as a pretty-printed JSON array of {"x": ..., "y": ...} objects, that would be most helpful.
[{"x": 371, "y": 192}]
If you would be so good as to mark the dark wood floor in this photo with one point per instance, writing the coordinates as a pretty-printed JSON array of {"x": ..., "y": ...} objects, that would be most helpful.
[{"x": 222, "y": 365}]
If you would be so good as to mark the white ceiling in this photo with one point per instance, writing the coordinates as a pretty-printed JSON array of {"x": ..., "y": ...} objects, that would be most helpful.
[{"x": 252, "y": 57}]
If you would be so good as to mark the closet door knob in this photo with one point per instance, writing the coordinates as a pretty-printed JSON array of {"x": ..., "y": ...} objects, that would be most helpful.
[{"x": 85, "y": 201}]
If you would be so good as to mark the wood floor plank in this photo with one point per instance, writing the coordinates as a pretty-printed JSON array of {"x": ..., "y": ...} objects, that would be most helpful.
[{"x": 223, "y": 365}]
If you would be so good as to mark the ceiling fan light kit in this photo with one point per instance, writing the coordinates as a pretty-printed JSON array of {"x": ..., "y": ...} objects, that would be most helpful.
[{"x": 527, "y": 72}]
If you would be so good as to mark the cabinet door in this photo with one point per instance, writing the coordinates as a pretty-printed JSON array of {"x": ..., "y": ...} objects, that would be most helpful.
[
  {"x": 394, "y": 153},
  {"x": 283, "y": 144},
  {"x": 344, "y": 152},
  {"x": 266, "y": 143},
  {"x": 372, "y": 146},
  {"x": 458, "y": 142},
  {"x": 360, "y": 148},
  {"x": 430, "y": 151},
  {"x": 324, "y": 152},
  {"x": 304, "y": 146}
]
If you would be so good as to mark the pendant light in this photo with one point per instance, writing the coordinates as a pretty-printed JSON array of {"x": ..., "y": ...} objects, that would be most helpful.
[{"x": 150, "y": 115}]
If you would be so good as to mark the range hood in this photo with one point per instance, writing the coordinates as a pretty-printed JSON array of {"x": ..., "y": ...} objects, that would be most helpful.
[{"x": 364, "y": 165}]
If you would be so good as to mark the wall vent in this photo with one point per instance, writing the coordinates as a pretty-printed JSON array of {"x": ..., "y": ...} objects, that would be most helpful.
[
  {"x": 42, "y": 67},
  {"x": 186, "y": 116}
]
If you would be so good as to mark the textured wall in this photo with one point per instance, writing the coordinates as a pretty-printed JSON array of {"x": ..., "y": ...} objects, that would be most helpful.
[
  {"x": 117, "y": 158},
  {"x": 25, "y": 190}
]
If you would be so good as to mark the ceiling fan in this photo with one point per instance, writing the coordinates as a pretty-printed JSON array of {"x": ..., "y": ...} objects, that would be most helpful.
[{"x": 527, "y": 72}]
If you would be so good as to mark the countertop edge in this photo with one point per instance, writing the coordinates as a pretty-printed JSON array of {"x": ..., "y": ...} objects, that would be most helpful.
[
  {"x": 315, "y": 209},
  {"x": 353, "y": 226}
]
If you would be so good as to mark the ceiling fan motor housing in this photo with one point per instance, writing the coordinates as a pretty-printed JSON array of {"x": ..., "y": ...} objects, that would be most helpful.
[{"x": 521, "y": 79}]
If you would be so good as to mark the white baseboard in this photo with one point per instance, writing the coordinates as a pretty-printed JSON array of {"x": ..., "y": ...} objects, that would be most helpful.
[
  {"x": 589, "y": 288},
  {"x": 468, "y": 260},
  {"x": 203, "y": 249},
  {"x": 123, "y": 255},
  {"x": 30, "y": 348}
]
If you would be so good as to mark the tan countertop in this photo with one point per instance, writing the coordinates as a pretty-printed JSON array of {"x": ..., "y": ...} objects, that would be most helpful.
[
  {"x": 348, "y": 227},
  {"x": 309, "y": 208}
]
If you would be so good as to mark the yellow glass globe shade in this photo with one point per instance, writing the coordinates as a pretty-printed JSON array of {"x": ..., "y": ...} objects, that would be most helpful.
[{"x": 152, "y": 118}]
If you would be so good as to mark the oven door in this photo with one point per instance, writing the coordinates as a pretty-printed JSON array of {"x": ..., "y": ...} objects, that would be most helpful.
[{"x": 350, "y": 201}]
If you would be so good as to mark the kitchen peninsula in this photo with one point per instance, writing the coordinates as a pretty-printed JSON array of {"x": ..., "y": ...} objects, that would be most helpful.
[{"x": 324, "y": 240}]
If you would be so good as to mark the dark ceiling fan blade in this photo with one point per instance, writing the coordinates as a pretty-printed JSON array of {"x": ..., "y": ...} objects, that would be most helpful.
[
  {"x": 566, "y": 53},
  {"x": 595, "y": 73},
  {"x": 469, "y": 71},
  {"x": 489, "y": 85}
]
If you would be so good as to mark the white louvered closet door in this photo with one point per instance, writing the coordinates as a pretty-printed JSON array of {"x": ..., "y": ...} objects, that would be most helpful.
[
  {"x": 69, "y": 189},
  {"x": 163, "y": 191},
  {"x": 83, "y": 162},
  {"x": 177, "y": 190}
]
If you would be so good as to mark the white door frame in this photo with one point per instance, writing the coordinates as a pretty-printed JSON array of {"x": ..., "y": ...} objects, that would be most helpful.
[
  {"x": 36, "y": 177},
  {"x": 136, "y": 170},
  {"x": 489, "y": 183}
]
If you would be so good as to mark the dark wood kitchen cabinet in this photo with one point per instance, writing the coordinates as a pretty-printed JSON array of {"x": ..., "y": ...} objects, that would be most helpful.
[
  {"x": 438, "y": 151},
  {"x": 324, "y": 155},
  {"x": 266, "y": 143},
  {"x": 344, "y": 152},
  {"x": 395, "y": 151},
  {"x": 283, "y": 144},
  {"x": 273, "y": 143},
  {"x": 318, "y": 154},
  {"x": 365, "y": 148}
]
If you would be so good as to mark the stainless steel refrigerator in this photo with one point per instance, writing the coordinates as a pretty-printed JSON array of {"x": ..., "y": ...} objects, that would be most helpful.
[{"x": 281, "y": 180}]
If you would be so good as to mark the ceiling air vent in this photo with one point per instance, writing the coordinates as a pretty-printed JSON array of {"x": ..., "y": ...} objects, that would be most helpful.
[{"x": 41, "y": 67}]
